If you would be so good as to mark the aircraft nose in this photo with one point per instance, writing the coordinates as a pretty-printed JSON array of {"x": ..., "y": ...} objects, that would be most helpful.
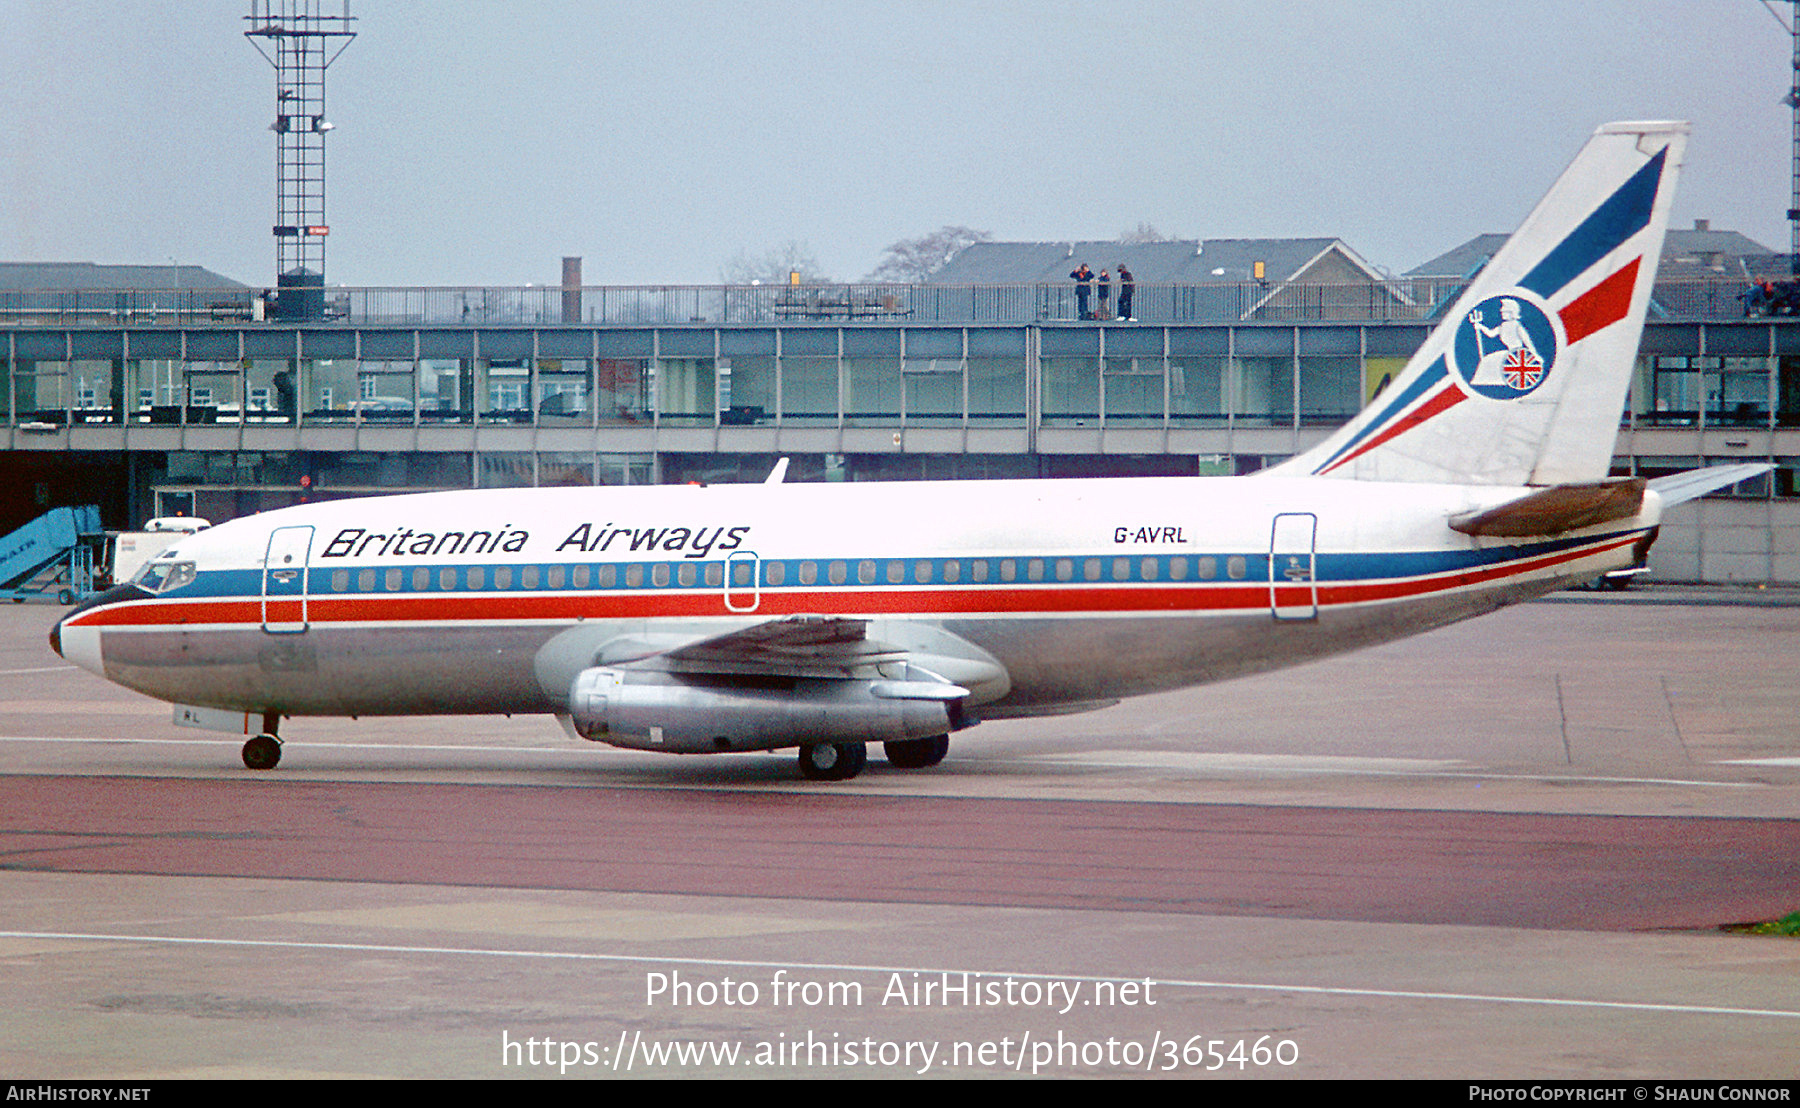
[{"x": 80, "y": 642}]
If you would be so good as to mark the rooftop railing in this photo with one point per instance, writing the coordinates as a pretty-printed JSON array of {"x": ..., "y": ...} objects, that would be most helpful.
[{"x": 1397, "y": 301}]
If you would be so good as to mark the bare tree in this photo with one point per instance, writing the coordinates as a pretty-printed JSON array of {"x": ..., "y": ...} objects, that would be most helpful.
[
  {"x": 1145, "y": 233},
  {"x": 773, "y": 266},
  {"x": 911, "y": 261}
]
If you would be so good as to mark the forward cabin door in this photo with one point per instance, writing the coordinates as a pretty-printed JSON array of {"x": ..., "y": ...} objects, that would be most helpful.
[
  {"x": 284, "y": 580},
  {"x": 1293, "y": 590}
]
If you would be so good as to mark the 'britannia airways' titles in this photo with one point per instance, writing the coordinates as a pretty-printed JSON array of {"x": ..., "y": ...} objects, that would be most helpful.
[{"x": 689, "y": 542}]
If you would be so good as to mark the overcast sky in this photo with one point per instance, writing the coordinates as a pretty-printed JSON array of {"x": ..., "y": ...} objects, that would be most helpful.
[{"x": 478, "y": 142}]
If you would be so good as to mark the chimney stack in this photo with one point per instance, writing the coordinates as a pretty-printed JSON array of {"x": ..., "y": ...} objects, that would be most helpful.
[{"x": 571, "y": 290}]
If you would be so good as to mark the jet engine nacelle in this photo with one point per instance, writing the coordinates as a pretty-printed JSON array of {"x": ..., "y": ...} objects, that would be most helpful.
[{"x": 683, "y": 715}]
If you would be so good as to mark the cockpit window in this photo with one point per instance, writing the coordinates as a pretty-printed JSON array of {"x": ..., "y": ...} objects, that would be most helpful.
[{"x": 160, "y": 577}]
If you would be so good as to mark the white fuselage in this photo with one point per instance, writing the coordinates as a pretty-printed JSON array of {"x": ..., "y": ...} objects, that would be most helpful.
[{"x": 1039, "y": 596}]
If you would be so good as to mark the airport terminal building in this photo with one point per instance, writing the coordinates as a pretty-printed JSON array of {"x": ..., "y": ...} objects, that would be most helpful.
[{"x": 163, "y": 393}]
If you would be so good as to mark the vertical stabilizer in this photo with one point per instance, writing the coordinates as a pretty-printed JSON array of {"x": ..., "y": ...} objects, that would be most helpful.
[{"x": 1524, "y": 380}]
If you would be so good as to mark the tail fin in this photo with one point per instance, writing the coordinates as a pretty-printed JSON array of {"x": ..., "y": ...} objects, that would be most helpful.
[{"x": 1524, "y": 380}]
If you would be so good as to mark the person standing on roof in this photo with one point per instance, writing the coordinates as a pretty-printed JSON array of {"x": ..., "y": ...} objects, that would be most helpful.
[
  {"x": 1105, "y": 295},
  {"x": 1084, "y": 283},
  {"x": 1127, "y": 286}
]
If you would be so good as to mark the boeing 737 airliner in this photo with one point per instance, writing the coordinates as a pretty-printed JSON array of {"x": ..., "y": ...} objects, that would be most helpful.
[{"x": 823, "y": 617}]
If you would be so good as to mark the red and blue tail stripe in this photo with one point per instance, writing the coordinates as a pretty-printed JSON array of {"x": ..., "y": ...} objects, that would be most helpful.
[{"x": 1613, "y": 223}]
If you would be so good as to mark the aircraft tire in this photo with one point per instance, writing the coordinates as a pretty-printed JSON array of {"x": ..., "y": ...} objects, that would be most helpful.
[
  {"x": 833, "y": 761},
  {"x": 262, "y": 752},
  {"x": 916, "y": 753}
]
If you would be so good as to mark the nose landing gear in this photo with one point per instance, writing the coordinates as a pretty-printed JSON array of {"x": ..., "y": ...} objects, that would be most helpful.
[{"x": 264, "y": 751}]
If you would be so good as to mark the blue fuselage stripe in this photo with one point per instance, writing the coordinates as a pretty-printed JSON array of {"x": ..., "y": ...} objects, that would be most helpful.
[{"x": 1039, "y": 570}]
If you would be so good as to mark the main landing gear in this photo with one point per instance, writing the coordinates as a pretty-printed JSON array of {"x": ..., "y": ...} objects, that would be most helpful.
[
  {"x": 916, "y": 753},
  {"x": 833, "y": 761},
  {"x": 842, "y": 761},
  {"x": 264, "y": 751}
]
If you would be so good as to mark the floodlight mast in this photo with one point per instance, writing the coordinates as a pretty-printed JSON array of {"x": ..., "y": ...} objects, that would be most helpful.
[{"x": 301, "y": 42}]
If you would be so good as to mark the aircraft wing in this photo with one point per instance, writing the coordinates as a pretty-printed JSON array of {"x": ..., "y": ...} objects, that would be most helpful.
[
  {"x": 830, "y": 647},
  {"x": 798, "y": 646}
]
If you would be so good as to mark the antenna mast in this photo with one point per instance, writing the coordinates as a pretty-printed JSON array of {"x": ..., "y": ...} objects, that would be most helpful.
[{"x": 300, "y": 42}]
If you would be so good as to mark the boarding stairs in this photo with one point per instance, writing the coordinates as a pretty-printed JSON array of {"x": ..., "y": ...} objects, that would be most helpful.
[{"x": 48, "y": 557}]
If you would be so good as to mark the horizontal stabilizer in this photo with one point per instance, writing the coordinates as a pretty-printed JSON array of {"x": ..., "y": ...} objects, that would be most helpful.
[
  {"x": 1557, "y": 509},
  {"x": 1679, "y": 488}
]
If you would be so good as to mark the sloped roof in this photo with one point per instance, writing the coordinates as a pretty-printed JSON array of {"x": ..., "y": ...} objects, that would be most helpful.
[
  {"x": 1696, "y": 244},
  {"x": 1189, "y": 261},
  {"x": 1688, "y": 247},
  {"x": 31, "y": 276},
  {"x": 1463, "y": 260}
]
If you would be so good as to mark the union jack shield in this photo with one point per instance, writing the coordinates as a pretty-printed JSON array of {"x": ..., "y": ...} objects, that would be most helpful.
[{"x": 1522, "y": 369}]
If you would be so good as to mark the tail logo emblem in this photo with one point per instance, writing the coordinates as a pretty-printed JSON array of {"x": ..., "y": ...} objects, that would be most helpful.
[{"x": 1506, "y": 346}]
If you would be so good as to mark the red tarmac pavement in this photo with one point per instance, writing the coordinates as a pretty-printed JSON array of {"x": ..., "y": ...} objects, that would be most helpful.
[{"x": 1479, "y": 868}]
